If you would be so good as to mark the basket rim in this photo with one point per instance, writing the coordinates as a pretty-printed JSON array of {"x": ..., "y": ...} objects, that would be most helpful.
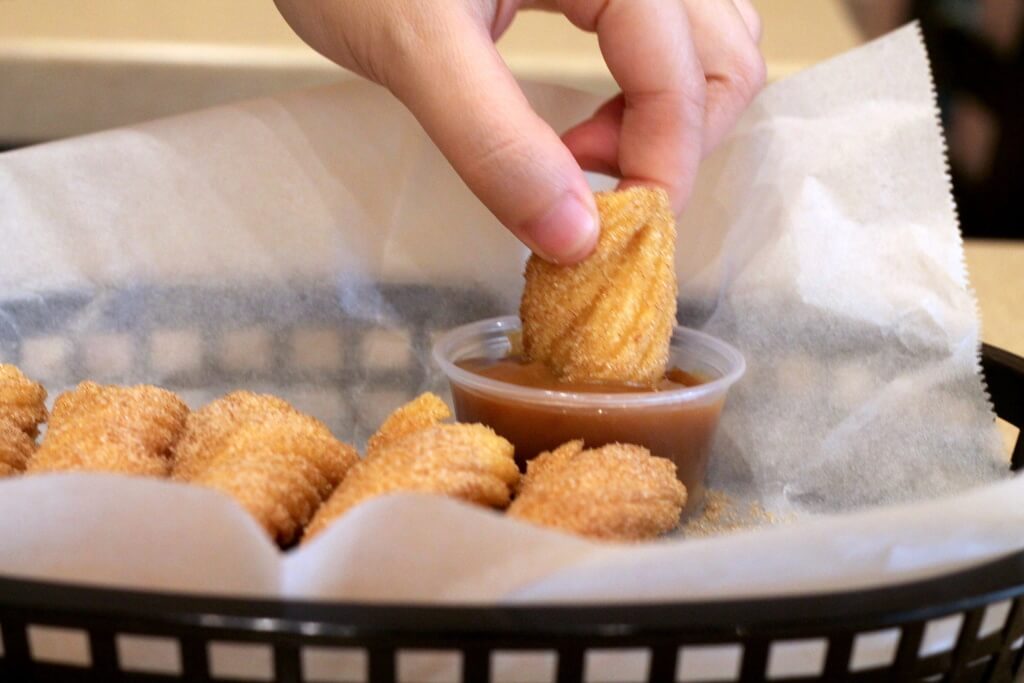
[{"x": 711, "y": 620}]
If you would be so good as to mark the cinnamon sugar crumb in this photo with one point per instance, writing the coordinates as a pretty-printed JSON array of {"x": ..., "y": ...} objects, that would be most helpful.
[{"x": 722, "y": 515}]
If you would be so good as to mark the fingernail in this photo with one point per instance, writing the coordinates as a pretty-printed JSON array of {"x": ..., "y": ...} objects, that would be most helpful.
[{"x": 565, "y": 233}]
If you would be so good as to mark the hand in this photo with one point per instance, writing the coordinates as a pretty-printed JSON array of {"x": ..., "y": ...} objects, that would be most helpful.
[{"x": 687, "y": 69}]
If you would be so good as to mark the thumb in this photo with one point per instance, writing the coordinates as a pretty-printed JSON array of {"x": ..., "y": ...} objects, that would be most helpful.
[{"x": 466, "y": 99}]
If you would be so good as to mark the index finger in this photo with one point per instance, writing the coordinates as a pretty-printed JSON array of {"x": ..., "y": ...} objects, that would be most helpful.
[{"x": 647, "y": 46}]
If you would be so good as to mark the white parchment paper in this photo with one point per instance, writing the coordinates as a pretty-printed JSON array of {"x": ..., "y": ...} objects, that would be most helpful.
[{"x": 314, "y": 244}]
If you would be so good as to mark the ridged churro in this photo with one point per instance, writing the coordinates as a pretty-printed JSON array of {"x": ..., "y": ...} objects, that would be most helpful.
[
  {"x": 274, "y": 461},
  {"x": 465, "y": 461},
  {"x": 16, "y": 447},
  {"x": 209, "y": 427},
  {"x": 617, "y": 492},
  {"x": 95, "y": 427},
  {"x": 22, "y": 401},
  {"x": 610, "y": 317},
  {"x": 423, "y": 411}
]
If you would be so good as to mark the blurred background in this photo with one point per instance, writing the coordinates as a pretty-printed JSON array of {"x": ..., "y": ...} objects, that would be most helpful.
[
  {"x": 74, "y": 66},
  {"x": 978, "y": 65}
]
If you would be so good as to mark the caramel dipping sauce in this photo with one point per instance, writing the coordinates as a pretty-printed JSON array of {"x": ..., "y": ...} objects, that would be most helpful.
[
  {"x": 528, "y": 406},
  {"x": 679, "y": 431}
]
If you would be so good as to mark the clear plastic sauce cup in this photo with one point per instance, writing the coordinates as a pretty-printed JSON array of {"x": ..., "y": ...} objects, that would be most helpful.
[{"x": 678, "y": 424}]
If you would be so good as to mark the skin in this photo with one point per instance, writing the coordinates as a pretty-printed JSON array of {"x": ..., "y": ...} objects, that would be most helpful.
[{"x": 687, "y": 70}]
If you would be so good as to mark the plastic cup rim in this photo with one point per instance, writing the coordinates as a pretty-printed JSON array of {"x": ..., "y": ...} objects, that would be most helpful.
[{"x": 701, "y": 393}]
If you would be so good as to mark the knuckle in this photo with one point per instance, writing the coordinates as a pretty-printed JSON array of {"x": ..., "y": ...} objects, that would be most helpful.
[
  {"x": 397, "y": 46},
  {"x": 583, "y": 13},
  {"x": 749, "y": 72},
  {"x": 502, "y": 154}
]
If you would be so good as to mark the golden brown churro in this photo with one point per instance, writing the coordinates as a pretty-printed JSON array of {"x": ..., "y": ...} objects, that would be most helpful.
[
  {"x": 617, "y": 492},
  {"x": 610, "y": 317},
  {"x": 422, "y": 412},
  {"x": 465, "y": 461},
  {"x": 209, "y": 427},
  {"x": 129, "y": 430},
  {"x": 16, "y": 448},
  {"x": 22, "y": 401},
  {"x": 274, "y": 461}
]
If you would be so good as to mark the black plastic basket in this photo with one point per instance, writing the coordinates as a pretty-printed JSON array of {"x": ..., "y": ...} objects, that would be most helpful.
[{"x": 987, "y": 602}]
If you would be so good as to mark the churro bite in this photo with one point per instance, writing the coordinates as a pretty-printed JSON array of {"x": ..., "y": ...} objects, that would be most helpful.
[
  {"x": 423, "y": 411},
  {"x": 128, "y": 430},
  {"x": 465, "y": 461},
  {"x": 209, "y": 427},
  {"x": 16, "y": 447},
  {"x": 618, "y": 492},
  {"x": 274, "y": 461},
  {"x": 610, "y": 317},
  {"x": 279, "y": 471},
  {"x": 22, "y": 401}
]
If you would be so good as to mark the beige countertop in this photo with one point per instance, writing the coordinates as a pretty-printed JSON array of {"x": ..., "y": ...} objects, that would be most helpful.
[
  {"x": 997, "y": 274},
  {"x": 996, "y": 270}
]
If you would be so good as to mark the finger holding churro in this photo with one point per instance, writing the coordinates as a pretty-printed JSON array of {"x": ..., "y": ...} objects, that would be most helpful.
[
  {"x": 608, "y": 318},
  {"x": 617, "y": 492},
  {"x": 129, "y": 430}
]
